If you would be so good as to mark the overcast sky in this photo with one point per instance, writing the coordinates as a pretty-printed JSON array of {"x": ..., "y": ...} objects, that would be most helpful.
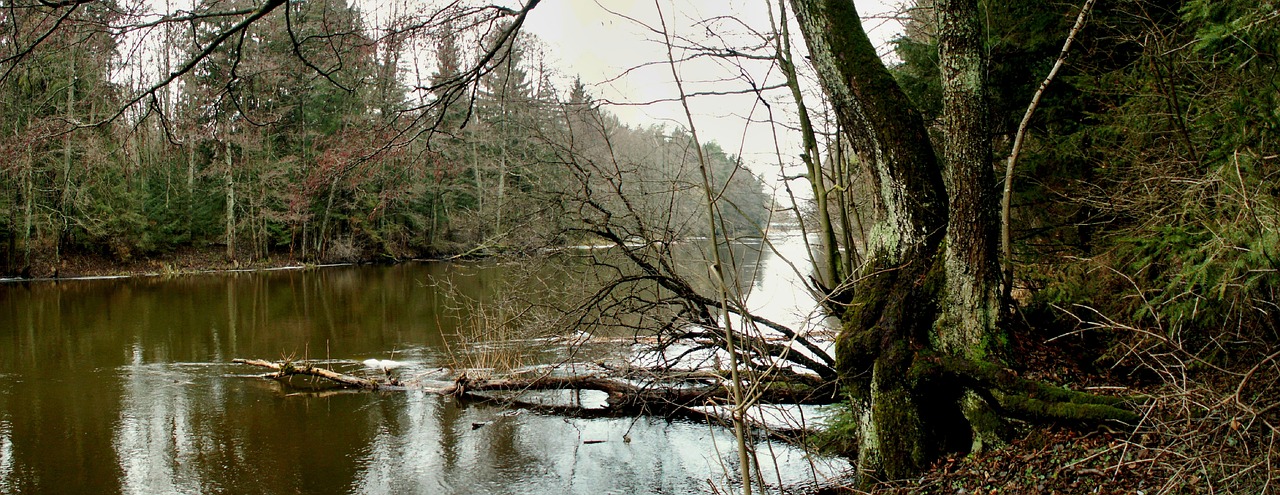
[
  {"x": 609, "y": 52},
  {"x": 616, "y": 47}
]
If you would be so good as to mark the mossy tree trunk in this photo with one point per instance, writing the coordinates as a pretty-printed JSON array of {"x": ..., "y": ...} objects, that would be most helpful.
[
  {"x": 918, "y": 349},
  {"x": 890, "y": 316},
  {"x": 967, "y": 323}
]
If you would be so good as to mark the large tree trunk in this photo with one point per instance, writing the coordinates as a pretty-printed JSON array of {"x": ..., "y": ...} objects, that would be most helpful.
[
  {"x": 917, "y": 347},
  {"x": 891, "y": 313},
  {"x": 969, "y": 308},
  {"x": 919, "y": 296}
]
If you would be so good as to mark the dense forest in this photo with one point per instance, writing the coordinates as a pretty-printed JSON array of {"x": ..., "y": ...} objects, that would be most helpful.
[
  {"x": 1136, "y": 144},
  {"x": 309, "y": 139}
]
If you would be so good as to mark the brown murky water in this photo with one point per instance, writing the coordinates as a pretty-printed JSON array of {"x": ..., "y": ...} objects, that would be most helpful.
[{"x": 125, "y": 386}]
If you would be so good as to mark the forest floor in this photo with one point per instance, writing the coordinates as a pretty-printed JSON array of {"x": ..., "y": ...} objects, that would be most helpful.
[
  {"x": 1210, "y": 432},
  {"x": 1053, "y": 460}
]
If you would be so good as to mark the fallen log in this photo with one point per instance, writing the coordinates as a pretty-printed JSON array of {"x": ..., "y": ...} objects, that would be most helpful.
[
  {"x": 621, "y": 393},
  {"x": 285, "y": 369},
  {"x": 625, "y": 397}
]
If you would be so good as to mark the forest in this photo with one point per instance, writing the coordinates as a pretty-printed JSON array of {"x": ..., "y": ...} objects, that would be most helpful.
[
  {"x": 1032, "y": 220},
  {"x": 306, "y": 139}
]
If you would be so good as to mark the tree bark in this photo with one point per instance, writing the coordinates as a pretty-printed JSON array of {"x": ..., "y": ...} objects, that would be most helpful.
[
  {"x": 891, "y": 313},
  {"x": 231, "y": 205},
  {"x": 971, "y": 265},
  {"x": 918, "y": 348},
  {"x": 970, "y": 303}
]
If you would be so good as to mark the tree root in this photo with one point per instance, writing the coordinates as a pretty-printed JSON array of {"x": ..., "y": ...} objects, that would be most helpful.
[{"x": 1015, "y": 396}]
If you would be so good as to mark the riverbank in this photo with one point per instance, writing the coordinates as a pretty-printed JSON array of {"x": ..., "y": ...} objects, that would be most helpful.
[{"x": 186, "y": 260}]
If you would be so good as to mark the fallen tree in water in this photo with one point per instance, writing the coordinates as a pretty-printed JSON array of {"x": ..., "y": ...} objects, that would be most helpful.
[{"x": 629, "y": 391}]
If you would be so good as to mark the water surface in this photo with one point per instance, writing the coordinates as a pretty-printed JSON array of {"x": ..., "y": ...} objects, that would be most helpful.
[{"x": 125, "y": 386}]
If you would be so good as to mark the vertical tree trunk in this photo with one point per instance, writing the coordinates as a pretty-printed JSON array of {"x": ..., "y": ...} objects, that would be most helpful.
[
  {"x": 28, "y": 209},
  {"x": 323, "y": 240},
  {"x": 191, "y": 192},
  {"x": 502, "y": 163},
  {"x": 892, "y": 315},
  {"x": 918, "y": 296},
  {"x": 834, "y": 271},
  {"x": 475, "y": 169},
  {"x": 64, "y": 201},
  {"x": 231, "y": 206},
  {"x": 970, "y": 303},
  {"x": 844, "y": 202}
]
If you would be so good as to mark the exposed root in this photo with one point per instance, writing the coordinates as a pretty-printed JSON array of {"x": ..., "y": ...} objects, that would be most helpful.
[{"x": 1030, "y": 399}]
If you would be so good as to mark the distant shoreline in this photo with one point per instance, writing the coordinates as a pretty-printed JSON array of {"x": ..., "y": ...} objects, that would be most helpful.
[{"x": 189, "y": 261}]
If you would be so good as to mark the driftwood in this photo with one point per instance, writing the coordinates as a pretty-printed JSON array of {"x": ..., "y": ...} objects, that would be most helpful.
[
  {"x": 285, "y": 369},
  {"x": 625, "y": 396}
]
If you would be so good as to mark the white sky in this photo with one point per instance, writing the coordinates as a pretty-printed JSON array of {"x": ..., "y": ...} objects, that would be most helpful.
[
  {"x": 609, "y": 45},
  {"x": 585, "y": 39}
]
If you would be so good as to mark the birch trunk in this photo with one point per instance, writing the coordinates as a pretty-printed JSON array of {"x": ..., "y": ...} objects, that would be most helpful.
[{"x": 231, "y": 206}]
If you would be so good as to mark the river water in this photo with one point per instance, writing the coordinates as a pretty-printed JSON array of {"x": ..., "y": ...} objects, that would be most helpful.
[{"x": 126, "y": 386}]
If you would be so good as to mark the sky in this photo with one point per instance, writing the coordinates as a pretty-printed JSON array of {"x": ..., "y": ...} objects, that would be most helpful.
[
  {"x": 616, "y": 47},
  {"x": 609, "y": 42}
]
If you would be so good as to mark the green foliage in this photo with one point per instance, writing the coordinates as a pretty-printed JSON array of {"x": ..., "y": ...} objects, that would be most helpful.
[
  {"x": 918, "y": 74},
  {"x": 1146, "y": 189},
  {"x": 307, "y": 123},
  {"x": 838, "y": 434},
  {"x": 1173, "y": 193},
  {"x": 743, "y": 204},
  {"x": 1216, "y": 266}
]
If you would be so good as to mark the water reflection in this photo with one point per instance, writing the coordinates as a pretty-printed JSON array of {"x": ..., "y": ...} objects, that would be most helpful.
[
  {"x": 6, "y": 458},
  {"x": 410, "y": 452},
  {"x": 777, "y": 282},
  {"x": 154, "y": 438},
  {"x": 123, "y": 386}
]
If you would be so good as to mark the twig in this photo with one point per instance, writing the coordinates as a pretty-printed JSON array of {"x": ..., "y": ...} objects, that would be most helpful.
[{"x": 1017, "y": 147}]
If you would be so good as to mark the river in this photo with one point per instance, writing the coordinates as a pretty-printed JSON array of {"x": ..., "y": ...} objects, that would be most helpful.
[{"x": 125, "y": 386}]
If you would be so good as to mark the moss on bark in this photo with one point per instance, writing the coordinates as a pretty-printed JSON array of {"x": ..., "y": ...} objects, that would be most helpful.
[{"x": 920, "y": 333}]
